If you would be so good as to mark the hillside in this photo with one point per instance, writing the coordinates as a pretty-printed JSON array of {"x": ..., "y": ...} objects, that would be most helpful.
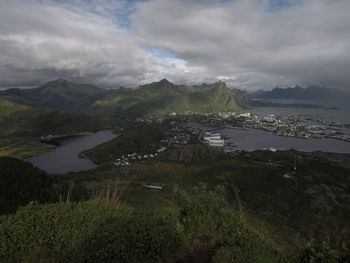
[
  {"x": 59, "y": 94},
  {"x": 140, "y": 139},
  {"x": 164, "y": 97},
  {"x": 309, "y": 93},
  {"x": 21, "y": 127},
  {"x": 21, "y": 120},
  {"x": 21, "y": 183},
  {"x": 240, "y": 209}
]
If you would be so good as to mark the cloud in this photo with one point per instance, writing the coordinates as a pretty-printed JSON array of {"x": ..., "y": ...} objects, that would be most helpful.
[
  {"x": 254, "y": 42},
  {"x": 250, "y": 44},
  {"x": 41, "y": 41}
]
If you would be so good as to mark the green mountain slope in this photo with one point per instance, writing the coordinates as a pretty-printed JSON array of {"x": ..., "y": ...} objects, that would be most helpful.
[
  {"x": 59, "y": 94},
  {"x": 160, "y": 97},
  {"x": 21, "y": 127},
  {"x": 164, "y": 97},
  {"x": 21, "y": 120}
]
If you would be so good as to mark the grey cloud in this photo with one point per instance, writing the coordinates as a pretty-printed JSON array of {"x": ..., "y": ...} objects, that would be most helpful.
[
  {"x": 43, "y": 41},
  {"x": 244, "y": 42},
  {"x": 306, "y": 43}
]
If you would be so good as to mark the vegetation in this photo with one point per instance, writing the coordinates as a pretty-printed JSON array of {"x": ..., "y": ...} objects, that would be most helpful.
[
  {"x": 58, "y": 94},
  {"x": 140, "y": 138},
  {"x": 159, "y": 97},
  {"x": 111, "y": 232},
  {"x": 164, "y": 97},
  {"x": 21, "y": 183},
  {"x": 22, "y": 127},
  {"x": 220, "y": 210},
  {"x": 189, "y": 204}
]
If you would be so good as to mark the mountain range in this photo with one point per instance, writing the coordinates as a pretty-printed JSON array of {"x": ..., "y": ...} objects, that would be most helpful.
[
  {"x": 155, "y": 98},
  {"x": 314, "y": 93},
  {"x": 59, "y": 94},
  {"x": 165, "y": 97}
]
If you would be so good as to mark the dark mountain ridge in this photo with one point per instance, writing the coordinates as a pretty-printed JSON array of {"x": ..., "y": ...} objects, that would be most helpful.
[
  {"x": 315, "y": 93},
  {"x": 58, "y": 94}
]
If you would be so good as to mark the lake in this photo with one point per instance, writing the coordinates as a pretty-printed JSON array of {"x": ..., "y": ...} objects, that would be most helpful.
[
  {"x": 254, "y": 139},
  {"x": 65, "y": 158}
]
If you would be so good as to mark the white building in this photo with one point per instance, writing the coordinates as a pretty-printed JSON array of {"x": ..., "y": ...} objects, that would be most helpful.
[
  {"x": 216, "y": 142},
  {"x": 211, "y": 136}
]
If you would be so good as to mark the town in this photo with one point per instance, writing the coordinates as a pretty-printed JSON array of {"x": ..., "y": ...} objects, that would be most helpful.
[{"x": 300, "y": 126}]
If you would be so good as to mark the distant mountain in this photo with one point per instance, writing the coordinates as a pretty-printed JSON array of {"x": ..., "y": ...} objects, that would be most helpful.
[
  {"x": 298, "y": 93},
  {"x": 59, "y": 94},
  {"x": 164, "y": 97},
  {"x": 155, "y": 98}
]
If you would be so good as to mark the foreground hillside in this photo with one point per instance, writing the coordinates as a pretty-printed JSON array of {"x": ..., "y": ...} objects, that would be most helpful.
[
  {"x": 164, "y": 97},
  {"x": 228, "y": 209}
]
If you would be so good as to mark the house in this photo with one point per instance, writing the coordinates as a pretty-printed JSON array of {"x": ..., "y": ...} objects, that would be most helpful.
[
  {"x": 216, "y": 143},
  {"x": 161, "y": 149}
]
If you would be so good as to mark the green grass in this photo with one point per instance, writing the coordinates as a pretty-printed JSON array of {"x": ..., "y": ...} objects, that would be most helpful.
[
  {"x": 278, "y": 209},
  {"x": 22, "y": 127},
  {"x": 19, "y": 148},
  {"x": 112, "y": 232}
]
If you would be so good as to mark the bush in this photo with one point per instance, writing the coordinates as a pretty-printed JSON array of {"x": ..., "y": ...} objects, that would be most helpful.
[
  {"x": 323, "y": 252},
  {"x": 208, "y": 216},
  {"x": 21, "y": 183},
  {"x": 86, "y": 232}
]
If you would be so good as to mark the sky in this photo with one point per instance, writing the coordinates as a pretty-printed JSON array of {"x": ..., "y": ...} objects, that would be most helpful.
[{"x": 249, "y": 44}]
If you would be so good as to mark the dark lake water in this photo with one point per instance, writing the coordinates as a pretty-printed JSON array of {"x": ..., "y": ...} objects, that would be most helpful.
[
  {"x": 254, "y": 139},
  {"x": 65, "y": 157}
]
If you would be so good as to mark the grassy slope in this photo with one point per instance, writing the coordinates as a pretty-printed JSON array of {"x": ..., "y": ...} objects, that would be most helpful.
[
  {"x": 284, "y": 211},
  {"x": 98, "y": 231},
  {"x": 21, "y": 183},
  {"x": 58, "y": 94},
  {"x": 22, "y": 126}
]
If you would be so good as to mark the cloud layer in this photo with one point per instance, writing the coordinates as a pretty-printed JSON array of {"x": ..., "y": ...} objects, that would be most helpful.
[{"x": 250, "y": 44}]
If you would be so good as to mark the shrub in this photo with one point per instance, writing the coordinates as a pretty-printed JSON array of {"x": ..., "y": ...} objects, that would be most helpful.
[
  {"x": 86, "y": 232},
  {"x": 21, "y": 183}
]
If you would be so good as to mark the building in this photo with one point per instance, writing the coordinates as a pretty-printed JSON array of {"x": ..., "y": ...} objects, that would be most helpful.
[
  {"x": 211, "y": 136},
  {"x": 216, "y": 142}
]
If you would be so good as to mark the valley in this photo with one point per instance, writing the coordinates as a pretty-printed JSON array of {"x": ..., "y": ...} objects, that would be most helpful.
[{"x": 277, "y": 205}]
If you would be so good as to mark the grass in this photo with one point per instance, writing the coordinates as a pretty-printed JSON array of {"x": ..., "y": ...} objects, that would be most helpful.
[
  {"x": 279, "y": 210},
  {"x": 114, "y": 232},
  {"x": 23, "y": 149},
  {"x": 204, "y": 197}
]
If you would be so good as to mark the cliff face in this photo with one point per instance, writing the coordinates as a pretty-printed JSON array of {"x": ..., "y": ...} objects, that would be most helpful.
[{"x": 242, "y": 98}]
